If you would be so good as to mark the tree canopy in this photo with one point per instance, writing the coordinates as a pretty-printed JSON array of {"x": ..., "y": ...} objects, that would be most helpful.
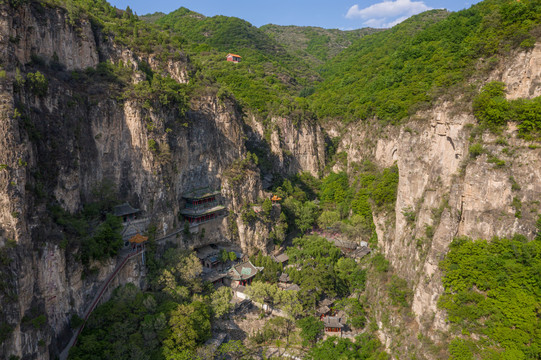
[{"x": 493, "y": 289}]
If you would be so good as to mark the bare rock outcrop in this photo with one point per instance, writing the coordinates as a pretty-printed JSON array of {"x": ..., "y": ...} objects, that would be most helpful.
[
  {"x": 451, "y": 192},
  {"x": 62, "y": 145}
]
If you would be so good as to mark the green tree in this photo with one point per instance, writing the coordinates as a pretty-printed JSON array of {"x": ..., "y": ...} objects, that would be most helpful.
[
  {"x": 351, "y": 274},
  {"x": 262, "y": 292},
  {"x": 169, "y": 285},
  {"x": 304, "y": 214},
  {"x": 38, "y": 83},
  {"x": 189, "y": 326},
  {"x": 328, "y": 218},
  {"x": 490, "y": 106},
  {"x": 385, "y": 187},
  {"x": 492, "y": 290},
  {"x": 476, "y": 149},
  {"x": 224, "y": 256},
  {"x": 221, "y": 301},
  {"x": 234, "y": 349},
  {"x": 266, "y": 208},
  {"x": 400, "y": 292},
  {"x": 380, "y": 263},
  {"x": 105, "y": 242},
  {"x": 311, "y": 329},
  {"x": 356, "y": 315},
  {"x": 365, "y": 347},
  {"x": 289, "y": 302}
]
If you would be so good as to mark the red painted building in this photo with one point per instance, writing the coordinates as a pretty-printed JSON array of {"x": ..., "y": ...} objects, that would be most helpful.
[
  {"x": 332, "y": 324},
  {"x": 234, "y": 58},
  {"x": 201, "y": 206}
]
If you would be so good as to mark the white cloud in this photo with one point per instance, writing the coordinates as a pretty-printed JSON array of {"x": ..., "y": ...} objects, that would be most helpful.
[{"x": 386, "y": 13}]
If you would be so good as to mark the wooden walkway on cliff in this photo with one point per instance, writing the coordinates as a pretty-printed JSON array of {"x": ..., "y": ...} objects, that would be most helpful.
[
  {"x": 95, "y": 301},
  {"x": 132, "y": 254}
]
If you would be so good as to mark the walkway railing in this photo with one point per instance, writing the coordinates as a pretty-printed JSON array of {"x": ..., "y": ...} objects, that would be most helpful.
[
  {"x": 64, "y": 354},
  {"x": 97, "y": 298}
]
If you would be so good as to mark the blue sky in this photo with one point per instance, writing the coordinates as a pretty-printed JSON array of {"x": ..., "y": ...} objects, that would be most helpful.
[{"x": 340, "y": 14}]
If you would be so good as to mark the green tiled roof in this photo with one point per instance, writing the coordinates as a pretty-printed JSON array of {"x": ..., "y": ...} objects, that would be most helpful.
[{"x": 243, "y": 271}]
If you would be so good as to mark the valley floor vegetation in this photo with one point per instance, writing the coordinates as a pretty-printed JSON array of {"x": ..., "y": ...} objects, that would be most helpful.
[
  {"x": 174, "y": 317},
  {"x": 492, "y": 288}
]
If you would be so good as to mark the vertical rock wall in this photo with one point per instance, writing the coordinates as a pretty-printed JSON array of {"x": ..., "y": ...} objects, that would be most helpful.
[{"x": 451, "y": 193}]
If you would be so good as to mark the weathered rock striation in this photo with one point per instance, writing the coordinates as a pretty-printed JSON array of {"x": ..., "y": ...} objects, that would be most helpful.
[
  {"x": 450, "y": 193},
  {"x": 64, "y": 144}
]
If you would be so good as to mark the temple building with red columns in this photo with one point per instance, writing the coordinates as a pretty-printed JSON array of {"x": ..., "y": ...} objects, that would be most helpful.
[{"x": 202, "y": 205}]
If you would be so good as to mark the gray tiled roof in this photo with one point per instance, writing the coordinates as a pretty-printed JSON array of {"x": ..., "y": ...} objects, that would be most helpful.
[
  {"x": 205, "y": 251},
  {"x": 323, "y": 310},
  {"x": 294, "y": 287},
  {"x": 326, "y": 302},
  {"x": 332, "y": 321},
  {"x": 284, "y": 277},
  {"x": 213, "y": 276},
  {"x": 281, "y": 258},
  {"x": 361, "y": 252},
  {"x": 201, "y": 193},
  {"x": 201, "y": 211},
  {"x": 124, "y": 209}
]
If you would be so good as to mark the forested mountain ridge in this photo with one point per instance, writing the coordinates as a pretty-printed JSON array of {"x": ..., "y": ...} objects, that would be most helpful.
[
  {"x": 266, "y": 81},
  {"x": 392, "y": 74},
  {"x": 313, "y": 44},
  {"x": 414, "y": 139}
]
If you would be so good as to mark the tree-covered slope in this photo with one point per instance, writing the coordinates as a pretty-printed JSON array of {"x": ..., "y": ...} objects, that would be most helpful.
[
  {"x": 493, "y": 296},
  {"x": 152, "y": 18},
  {"x": 121, "y": 26},
  {"x": 229, "y": 34},
  {"x": 266, "y": 81},
  {"x": 314, "y": 44},
  {"x": 390, "y": 74}
]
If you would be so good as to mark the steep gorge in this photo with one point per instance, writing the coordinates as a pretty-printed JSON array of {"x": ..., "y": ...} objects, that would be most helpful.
[{"x": 80, "y": 134}]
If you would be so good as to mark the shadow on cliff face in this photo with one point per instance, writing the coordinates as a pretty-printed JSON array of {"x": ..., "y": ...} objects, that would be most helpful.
[{"x": 268, "y": 161}]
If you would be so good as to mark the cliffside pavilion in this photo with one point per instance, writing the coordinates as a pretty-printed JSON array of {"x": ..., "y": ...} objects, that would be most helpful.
[
  {"x": 332, "y": 324},
  {"x": 126, "y": 212},
  {"x": 202, "y": 205},
  {"x": 234, "y": 58},
  {"x": 138, "y": 241},
  {"x": 275, "y": 199}
]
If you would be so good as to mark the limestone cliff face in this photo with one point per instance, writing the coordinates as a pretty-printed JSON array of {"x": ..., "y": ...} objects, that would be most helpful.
[
  {"x": 299, "y": 148},
  {"x": 253, "y": 236},
  {"x": 521, "y": 72},
  {"x": 48, "y": 34},
  {"x": 85, "y": 131},
  {"x": 291, "y": 147},
  {"x": 450, "y": 193},
  {"x": 63, "y": 144},
  {"x": 242, "y": 185}
]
